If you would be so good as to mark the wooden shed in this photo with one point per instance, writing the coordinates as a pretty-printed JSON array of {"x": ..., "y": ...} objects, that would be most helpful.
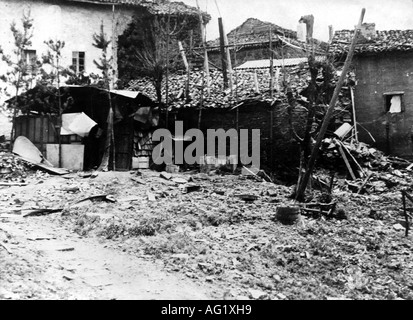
[{"x": 41, "y": 127}]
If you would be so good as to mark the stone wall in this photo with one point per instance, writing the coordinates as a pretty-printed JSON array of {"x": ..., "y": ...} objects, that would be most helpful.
[{"x": 378, "y": 75}]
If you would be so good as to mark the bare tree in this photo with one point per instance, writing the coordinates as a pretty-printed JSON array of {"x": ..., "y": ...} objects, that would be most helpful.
[
  {"x": 53, "y": 57},
  {"x": 101, "y": 41}
]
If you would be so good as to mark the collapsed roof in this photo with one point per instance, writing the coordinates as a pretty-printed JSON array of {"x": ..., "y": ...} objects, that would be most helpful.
[{"x": 255, "y": 33}]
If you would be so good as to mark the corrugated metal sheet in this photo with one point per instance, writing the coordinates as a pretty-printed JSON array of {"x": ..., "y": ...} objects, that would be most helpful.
[
  {"x": 278, "y": 63},
  {"x": 263, "y": 64}
]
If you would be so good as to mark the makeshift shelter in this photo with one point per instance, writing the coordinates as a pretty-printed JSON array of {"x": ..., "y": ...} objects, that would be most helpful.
[{"x": 84, "y": 125}]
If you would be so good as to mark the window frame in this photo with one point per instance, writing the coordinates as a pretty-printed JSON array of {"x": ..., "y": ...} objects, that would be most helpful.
[
  {"x": 389, "y": 95},
  {"x": 30, "y": 58},
  {"x": 76, "y": 61}
]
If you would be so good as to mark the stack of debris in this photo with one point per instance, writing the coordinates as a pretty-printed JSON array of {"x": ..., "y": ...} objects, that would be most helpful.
[
  {"x": 4, "y": 145},
  {"x": 369, "y": 169},
  {"x": 12, "y": 168}
]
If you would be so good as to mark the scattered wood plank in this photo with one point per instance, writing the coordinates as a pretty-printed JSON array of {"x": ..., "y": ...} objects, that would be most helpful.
[
  {"x": 5, "y": 247},
  {"x": 12, "y": 184},
  {"x": 351, "y": 156},
  {"x": 406, "y": 215},
  {"x": 102, "y": 197},
  {"x": 41, "y": 212},
  {"x": 138, "y": 180},
  {"x": 66, "y": 249},
  {"x": 364, "y": 183},
  {"x": 343, "y": 155}
]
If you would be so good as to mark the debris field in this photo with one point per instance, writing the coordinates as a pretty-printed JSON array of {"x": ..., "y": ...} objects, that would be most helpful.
[{"x": 222, "y": 229}]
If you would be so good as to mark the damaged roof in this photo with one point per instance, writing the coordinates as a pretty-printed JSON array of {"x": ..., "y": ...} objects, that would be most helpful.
[
  {"x": 383, "y": 41},
  {"x": 153, "y": 6},
  {"x": 255, "y": 33},
  {"x": 244, "y": 87}
]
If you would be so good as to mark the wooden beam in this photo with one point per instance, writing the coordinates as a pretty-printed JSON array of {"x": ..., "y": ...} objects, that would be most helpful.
[
  {"x": 223, "y": 53},
  {"x": 343, "y": 155}
]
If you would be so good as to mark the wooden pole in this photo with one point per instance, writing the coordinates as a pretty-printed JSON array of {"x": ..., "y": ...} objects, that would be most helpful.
[
  {"x": 113, "y": 81},
  {"x": 353, "y": 105},
  {"x": 236, "y": 84},
  {"x": 271, "y": 67},
  {"x": 229, "y": 63},
  {"x": 186, "y": 64},
  {"x": 223, "y": 53},
  {"x": 310, "y": 166},
  {"x": 206, "y": 65}
]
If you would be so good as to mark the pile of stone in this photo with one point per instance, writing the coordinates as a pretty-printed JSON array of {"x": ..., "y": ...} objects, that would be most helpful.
[{"x": 12, "y": 168}]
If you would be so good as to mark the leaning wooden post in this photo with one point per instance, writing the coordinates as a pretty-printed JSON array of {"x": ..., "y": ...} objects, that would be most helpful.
[{"x": 310, "y": 166}]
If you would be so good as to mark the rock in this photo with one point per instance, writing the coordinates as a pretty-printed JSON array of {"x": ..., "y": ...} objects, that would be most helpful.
[
  {"x": 398, "y": 227},
  {"x": 276, "y": 277},
  {"x": 281, "y": 296},
  {"x": 179, "y": 180},
  {"x": 257, "y": 294},
  {"x": 166, "y": 176},
  {"x": 242, "y": 298}
]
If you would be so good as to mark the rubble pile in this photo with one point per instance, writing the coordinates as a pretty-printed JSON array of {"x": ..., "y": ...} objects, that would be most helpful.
[
  {"x": 370, "y": 169},
  {"x": 12, "y": 168}
]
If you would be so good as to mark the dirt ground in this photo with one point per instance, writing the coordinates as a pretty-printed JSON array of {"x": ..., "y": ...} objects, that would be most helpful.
[{"x": 151, "y": 239}]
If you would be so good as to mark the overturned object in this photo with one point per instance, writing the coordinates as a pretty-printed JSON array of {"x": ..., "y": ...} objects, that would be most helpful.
[{"x": 29, "y": 153}]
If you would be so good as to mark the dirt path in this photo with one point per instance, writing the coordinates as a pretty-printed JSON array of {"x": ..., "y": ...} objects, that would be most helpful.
[{"x": 47, "y": 261}]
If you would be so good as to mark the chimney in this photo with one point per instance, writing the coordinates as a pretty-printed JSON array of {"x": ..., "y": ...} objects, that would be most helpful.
[
  {"x": 368, "y": 30},
  {"x": 330, "y": 33}
]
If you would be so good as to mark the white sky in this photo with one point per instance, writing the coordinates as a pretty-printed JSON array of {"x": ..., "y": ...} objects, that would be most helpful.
[{"x": 342, "y": 14}]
